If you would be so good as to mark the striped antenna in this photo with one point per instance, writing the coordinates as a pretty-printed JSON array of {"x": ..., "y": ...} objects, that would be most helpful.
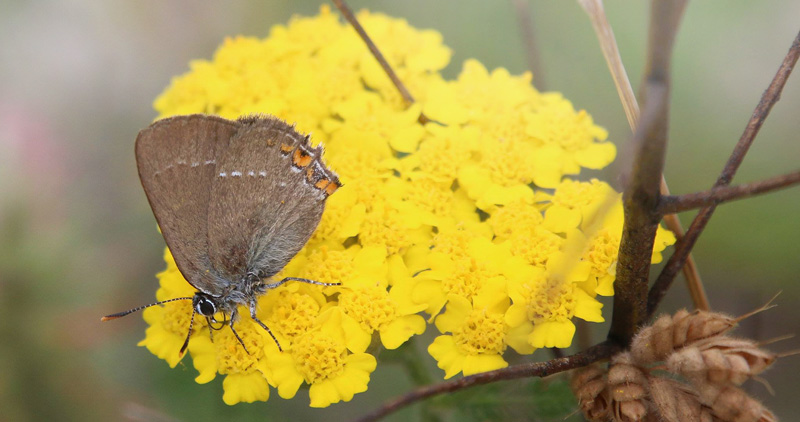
[{"x": 130, "y": 311}]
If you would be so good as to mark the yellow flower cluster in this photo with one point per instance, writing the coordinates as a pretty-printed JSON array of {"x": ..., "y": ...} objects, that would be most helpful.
[{"x": 469, "y": 218}]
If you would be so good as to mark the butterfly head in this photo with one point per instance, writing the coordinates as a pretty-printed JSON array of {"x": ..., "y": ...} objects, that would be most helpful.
[{"x": 205, "y": 304}]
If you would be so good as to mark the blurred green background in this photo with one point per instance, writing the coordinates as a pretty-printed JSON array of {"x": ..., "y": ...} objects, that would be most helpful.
[{"x": 78, "y": 240}]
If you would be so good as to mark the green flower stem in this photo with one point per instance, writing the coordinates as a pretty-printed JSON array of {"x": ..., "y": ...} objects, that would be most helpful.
[{"x": 407, "y": 356}]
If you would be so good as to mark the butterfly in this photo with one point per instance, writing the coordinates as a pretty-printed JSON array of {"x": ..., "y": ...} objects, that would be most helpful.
[{"x": 235, "y": 200}]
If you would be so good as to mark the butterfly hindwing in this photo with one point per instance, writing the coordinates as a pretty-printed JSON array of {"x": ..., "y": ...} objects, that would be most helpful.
[{"x": 267, "y": 197}]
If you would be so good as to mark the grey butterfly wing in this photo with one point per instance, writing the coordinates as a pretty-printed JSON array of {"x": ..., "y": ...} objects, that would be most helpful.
[
  {"x": 266, "y": 198},
  {"x": 177, "y": 158}
]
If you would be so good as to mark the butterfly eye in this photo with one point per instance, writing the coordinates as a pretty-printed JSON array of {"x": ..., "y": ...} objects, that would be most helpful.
[{"x": 205, "y": 307}]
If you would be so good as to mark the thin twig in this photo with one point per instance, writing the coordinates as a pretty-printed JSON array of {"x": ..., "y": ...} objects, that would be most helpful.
[
  {"x": 593, "y": 354},
  {"x": 525, "y": 22},
  {"x": 643, "y": 180},
  {"x": 715, "y": 196},
  {"x": 608, "y": 45},
  {"x": 407, "y": 355},
  {"x": 694, "y": 283},
  {"x": 401, "y": 88},
  {"x": 682, "y": 249}
]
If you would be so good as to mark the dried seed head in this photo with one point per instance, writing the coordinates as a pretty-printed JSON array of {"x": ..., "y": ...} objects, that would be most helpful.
[
  {"x": 590, "y": 387},
  {"x": 630, "y": 411},
  {"x": 720, "y": 360},
  {"x": 757, "y": 359},
  {"x": 675, "y": 402},
  {"x": 623, "y": 370},
  {"x": 700, "y": 325},
  {"x": 629, "y": 388},
  {"x": 681, "y": 322},
  {"x": 689, "y": 363},
  {"x": 654, "y": 343},
  {"x": 629, "y": 392},
  {"x": 729, "y": 403},
  {"x": 723, "y": 368}
]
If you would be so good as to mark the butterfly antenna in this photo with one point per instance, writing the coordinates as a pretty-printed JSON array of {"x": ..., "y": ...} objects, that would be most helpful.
[
  {"x": 191, "y": 324},
  {"x": 130, "y": 311},
  {"x": 304, "y": 280}
]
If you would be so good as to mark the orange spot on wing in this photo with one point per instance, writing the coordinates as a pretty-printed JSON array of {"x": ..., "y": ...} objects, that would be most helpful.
[
  {"x": 286, "y": 148},
  {"x": 301, "y": 158},
  {"x": 322, "y": 183},
  {"x": 331, "y": 188}
]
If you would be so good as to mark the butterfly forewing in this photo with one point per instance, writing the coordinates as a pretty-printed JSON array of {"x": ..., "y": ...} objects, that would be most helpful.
[
  {"x": 264, "y": 204},
  {"x": 177, "y": 179}
]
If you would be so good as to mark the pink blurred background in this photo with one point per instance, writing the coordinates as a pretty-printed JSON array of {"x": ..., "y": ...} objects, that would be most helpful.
[{"x": 77, "y": 239}]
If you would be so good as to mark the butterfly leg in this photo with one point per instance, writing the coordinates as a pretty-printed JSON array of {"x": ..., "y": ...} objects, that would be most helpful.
[
  {"x": 264, "y": 326},
  {"x": 189, "y": 334},
  {"x": 210, "y": 329},
  {"x": 230, "y": 323}
]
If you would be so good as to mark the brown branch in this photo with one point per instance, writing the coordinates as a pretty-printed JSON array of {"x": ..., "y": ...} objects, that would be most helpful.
[
  {"x": 351, "y": 18},
  {"x": 640, "y": 199},
  {"x": 683, "y": 247},
  {"x": 525, "y": 22},
  {"x": 641, "y": 195},
  {"x": 608, "y": 45},
  {"x": 715, "y": 196},
  {"x": 534, "y": 369}
]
